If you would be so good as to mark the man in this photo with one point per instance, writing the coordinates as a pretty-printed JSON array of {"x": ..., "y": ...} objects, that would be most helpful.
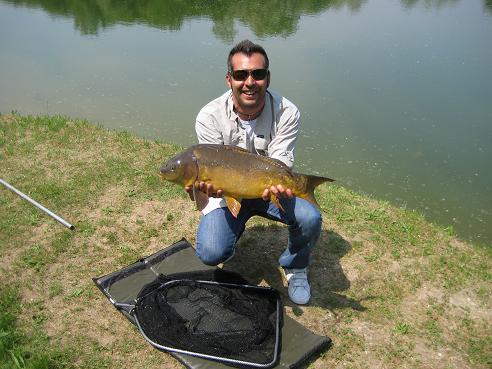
[{"x": 263, "y": 122}]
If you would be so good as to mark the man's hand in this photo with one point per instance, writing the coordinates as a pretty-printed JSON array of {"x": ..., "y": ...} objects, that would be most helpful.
[
  {"x": 205, "y": 188},
  {"x": 279, "y": 191}
]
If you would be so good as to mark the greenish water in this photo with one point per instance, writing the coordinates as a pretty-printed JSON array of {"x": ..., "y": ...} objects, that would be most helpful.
[{"x": 395, "y": 96}]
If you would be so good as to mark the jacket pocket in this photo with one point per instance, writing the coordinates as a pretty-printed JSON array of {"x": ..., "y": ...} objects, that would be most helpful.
[{"x": 261, "y": 145}]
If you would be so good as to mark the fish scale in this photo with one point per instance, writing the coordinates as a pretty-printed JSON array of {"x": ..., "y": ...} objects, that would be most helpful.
[{"x": 239, "y": 173}]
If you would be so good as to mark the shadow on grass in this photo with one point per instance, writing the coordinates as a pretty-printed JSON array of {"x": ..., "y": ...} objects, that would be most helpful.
[{"x": 256, "y": 259}]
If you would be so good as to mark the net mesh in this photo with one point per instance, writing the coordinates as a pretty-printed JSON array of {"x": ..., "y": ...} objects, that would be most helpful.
[{"x": 222, "y": 320}]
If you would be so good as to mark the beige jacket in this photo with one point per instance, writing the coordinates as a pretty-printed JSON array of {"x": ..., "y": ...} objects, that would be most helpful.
[{"x": 275, "y": 133}]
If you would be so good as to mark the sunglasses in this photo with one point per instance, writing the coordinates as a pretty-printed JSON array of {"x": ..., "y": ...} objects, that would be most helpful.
[{"x": 242, "y": 75}]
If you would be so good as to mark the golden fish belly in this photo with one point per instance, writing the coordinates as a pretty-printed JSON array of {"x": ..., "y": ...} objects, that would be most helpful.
[{"x": 246, "y": 181}]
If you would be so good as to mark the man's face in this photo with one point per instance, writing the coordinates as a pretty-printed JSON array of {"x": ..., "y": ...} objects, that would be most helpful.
[{"x": 248, "y": 95}]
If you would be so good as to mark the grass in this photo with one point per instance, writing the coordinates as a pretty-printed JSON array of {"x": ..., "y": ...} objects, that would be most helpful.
[
  {"x": 390, "y": 288},
  {"x": 18, "y": 350}
]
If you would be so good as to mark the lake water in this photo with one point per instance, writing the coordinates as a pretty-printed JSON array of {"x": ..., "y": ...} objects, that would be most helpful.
[{"x": 395, "y": 96}]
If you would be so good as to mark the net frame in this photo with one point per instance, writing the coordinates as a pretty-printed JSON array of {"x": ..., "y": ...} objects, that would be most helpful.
[{"x": 232, "y": 361}]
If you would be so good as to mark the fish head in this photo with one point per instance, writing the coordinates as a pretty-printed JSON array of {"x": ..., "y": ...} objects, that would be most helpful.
[{"x": 181, "y": 169}]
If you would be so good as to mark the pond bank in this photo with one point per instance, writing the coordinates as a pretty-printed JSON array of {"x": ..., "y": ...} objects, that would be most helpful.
[{"x": 389, "y": 288}]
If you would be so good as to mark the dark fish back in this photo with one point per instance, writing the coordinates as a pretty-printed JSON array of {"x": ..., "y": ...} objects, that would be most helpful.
[{"x": 225, "y": 156}]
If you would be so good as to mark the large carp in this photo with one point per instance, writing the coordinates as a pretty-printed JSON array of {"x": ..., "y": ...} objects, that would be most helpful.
[{"x": 239, "y": 173}]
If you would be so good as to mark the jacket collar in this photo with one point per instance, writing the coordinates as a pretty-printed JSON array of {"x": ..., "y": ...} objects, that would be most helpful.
[{"x": 265, "y": 114}]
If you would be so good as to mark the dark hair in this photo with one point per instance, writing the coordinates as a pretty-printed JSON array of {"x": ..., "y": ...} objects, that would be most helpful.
[{"x": 246, "y": 47}]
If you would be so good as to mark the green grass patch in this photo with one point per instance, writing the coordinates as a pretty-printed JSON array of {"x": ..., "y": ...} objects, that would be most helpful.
[
  {"x": 385, "y": 281},
  {"x": 17, "y": 350},
  {"x": 36, "y": 257},
  {"x": 402, "y": 328}
]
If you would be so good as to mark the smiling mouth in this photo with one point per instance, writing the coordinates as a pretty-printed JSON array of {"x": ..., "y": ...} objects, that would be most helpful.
[{"x": 249, "y": 93}]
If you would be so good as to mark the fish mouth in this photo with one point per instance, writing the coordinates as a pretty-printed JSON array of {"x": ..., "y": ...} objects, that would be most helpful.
[{"x": 162, "y": 173}]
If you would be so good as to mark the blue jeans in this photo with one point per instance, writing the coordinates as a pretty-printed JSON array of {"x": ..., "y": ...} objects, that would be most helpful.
[{"x": 219, "y": 231}]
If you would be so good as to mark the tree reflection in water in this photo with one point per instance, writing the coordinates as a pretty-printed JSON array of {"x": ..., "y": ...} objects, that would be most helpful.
[{"x": 264, "y": 18}]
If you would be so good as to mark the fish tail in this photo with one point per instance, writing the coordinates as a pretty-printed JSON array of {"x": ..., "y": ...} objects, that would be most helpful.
[{"x": 312, "y": 183}]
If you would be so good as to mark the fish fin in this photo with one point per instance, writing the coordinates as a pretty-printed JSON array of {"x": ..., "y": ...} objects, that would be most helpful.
[
  {"x": 309, "y": 197},
  {"x": 201, "y": 199},
  {"x": 275, "y": 200},
  {"x": 233, "y": 205},
  {"x": 312, "y": 183}
]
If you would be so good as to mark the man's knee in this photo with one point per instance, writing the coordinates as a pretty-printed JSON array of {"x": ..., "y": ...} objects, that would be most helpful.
[
  {"x": 310, "y": 218},
  {"x": 212, "y": 260},
  {"x": 210, "y": 255}
]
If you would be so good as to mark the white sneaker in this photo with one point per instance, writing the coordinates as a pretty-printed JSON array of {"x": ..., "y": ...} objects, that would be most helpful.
[{"x": 299, "y": 290}]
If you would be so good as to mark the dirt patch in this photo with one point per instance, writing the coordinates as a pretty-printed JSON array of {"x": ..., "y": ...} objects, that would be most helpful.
[
  {"x": 420, "y": 299},
  {"x": 464, "y": 302},
  {"x": 467, "y": 302},
  {"x": 439, "y": 358}
]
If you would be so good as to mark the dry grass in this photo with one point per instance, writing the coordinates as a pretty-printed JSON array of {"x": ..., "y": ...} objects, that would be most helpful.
[{"x": 390, "y": 289}]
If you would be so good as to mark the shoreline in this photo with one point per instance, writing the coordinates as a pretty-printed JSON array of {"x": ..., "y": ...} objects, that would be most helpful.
[{"x": 389, "y": 288}]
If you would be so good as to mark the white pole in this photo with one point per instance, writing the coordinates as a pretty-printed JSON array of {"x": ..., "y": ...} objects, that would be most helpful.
[{"x": 38, "y": 205}]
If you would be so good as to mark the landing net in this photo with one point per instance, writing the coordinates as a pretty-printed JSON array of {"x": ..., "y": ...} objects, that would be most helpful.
[{"x": 236, "y": 324}]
